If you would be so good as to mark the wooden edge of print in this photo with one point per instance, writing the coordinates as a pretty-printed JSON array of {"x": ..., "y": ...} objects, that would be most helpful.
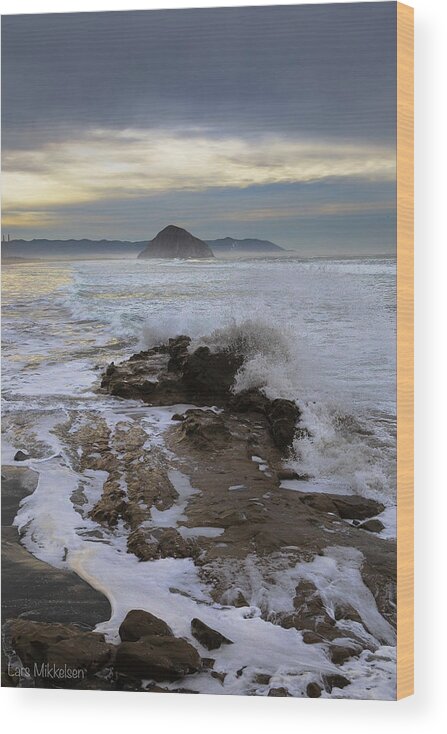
[{"x": 405, "y": 352}]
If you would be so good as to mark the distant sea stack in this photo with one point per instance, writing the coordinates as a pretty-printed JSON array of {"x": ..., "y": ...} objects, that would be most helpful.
[{"x": 176, "y": 242}]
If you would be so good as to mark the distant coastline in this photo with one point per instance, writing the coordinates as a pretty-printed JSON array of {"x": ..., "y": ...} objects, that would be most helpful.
[
  {"x": 20, "y": 251},
  {"x": 81, "y": 249}
]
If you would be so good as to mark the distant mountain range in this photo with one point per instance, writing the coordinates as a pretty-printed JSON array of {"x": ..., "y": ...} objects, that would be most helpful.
[
  {"x": 85, "y": 249},
  {"x": 81, "y": 249}
]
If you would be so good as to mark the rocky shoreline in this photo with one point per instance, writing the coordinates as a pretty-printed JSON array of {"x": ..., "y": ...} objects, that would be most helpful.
[
  {"x": 31, "y": 589},
  {"x": 240, "y": 523}
]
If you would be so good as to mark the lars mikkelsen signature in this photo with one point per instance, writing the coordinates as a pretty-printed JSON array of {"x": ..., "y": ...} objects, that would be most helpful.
[{"x": 45, "y": 670}]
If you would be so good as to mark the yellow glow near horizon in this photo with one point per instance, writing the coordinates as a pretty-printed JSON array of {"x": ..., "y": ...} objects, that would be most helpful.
[{"x": 109, "y": 164}]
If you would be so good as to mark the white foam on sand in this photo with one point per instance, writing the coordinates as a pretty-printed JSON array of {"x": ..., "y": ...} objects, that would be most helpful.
[
  {"x": 57, "y": 533},
  {"x": 173, "y": 515},
  {"x": 204, "y": 532},
  {"x": 336, "y": 575},
  {"x": 54, "y": 531}
]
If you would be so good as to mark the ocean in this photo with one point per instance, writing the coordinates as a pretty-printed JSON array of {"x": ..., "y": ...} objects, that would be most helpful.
[{"x": 319, "y": 331}]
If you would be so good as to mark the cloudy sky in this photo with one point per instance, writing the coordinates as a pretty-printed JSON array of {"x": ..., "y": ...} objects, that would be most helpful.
[{"x": 272, "y": 122}]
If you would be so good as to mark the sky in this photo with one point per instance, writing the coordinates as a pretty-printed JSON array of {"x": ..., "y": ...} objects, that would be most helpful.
[{"x": 275, "y": 122}]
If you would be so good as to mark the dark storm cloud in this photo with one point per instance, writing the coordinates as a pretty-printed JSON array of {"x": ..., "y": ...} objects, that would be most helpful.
[
  {"x": 275, "y": 122},
  {"x": 320, "y": 70}
]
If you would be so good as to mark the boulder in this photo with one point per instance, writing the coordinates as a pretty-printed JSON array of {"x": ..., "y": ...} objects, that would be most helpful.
[
  {"x": 313, "y": 690},
  {"x": 320, "y": 502},
  {"x": 278, "y": 692},
  {"x": 335, "y": 680},
  {"x": 208, "y": 637},
  {"x": 262, "y": 679},
  {"x": 139, "y": 623},
  {"x": 340, "y": 653},
  {"x": 348, "y": 507},
  {"x": 354, "y": 507},
  {"x": 157, "y": 658},
  {"x": 87, "y": 652},
  {"x": 31, "y": 640},
  {"x": 373, "y": 526},
  {"x": 59, "y": 645},
  {"x": 21, "y": 456}
]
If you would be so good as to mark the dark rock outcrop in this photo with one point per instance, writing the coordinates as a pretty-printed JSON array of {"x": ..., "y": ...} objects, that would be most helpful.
[
  {"x": 175, "y": 242},
  {"x": 241, "y": 497},
  {"x": 209, "y": 638},
  {"x": 169, "y": 374},
  {"x": 210, "y": 373}
]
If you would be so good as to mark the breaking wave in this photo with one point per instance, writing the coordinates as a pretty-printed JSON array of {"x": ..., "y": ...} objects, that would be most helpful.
[{"x": 346, "y": 446}]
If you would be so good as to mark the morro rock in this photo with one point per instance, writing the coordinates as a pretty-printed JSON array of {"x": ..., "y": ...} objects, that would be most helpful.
[{"x": 176, "y": 242}]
